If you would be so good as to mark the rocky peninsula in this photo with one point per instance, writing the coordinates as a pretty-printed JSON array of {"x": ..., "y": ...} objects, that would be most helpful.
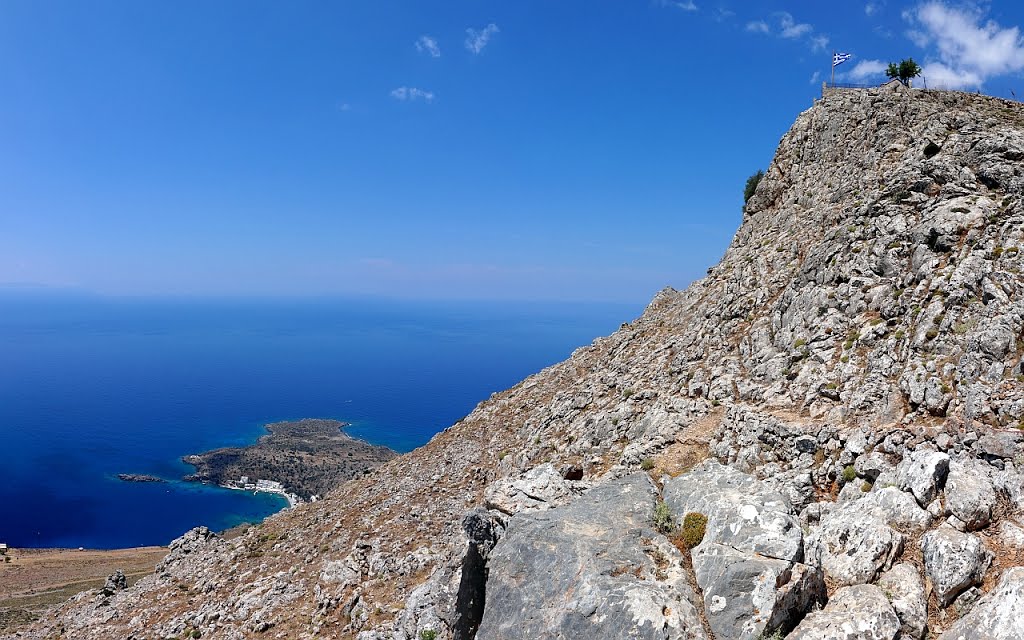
[
  {"x": 138, "y": 477},
  {"x": 306, "y": 457},
  {"x": 820, "y": 440}
]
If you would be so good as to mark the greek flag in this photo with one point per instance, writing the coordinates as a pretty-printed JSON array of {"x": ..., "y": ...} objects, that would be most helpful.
[{"x": 840, "y": 58}]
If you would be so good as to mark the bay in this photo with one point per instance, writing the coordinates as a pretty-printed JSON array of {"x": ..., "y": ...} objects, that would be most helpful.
[{"x": 91, "y": 387}]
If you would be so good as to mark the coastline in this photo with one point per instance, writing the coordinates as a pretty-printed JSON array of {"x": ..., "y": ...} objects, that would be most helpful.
[
  {"x": 300, "y": 460},
  {"x": 293, "y": 499}
]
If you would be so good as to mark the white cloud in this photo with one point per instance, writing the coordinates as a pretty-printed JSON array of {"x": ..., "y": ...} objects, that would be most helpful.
[
  {"x": 722, "y": 14},
  {"x": 872, "y": 8},
  {"x": 344, "y": 106},
  {"x": 866, "y": 70},
  {"x": 428, "y": 45},
  {"x": 970, "y": 49},
  {"x": 938, "y": 76},
  {"x": 787, "y": 27},
  {"x": 790, "y": 28},
  {"x": 815, "y": 77},
  {"x": 412, "y": 94},
  {"x": 685, "y": 5},
  {"x": 476, "y": 40},
  {"x": 758, "y": 26}
]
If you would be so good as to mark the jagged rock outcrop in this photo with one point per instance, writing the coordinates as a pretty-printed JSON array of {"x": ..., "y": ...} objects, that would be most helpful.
[{"x": 860, "y": 339}]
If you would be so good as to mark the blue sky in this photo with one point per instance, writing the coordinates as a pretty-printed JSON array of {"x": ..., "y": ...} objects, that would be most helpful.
[{"x": 555, "y": 149}]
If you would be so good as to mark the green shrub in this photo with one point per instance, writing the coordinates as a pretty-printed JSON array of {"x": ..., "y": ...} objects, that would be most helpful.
[
  {"x": 428, "y": 634},
  {"x": 799, "y": 343},
  {"x": 751, "y": 186},
  {"x": 694, "y": 526},
  {"x": 647, "y": 464},
  {"x": 865, "y": 487},
  {"x": 849, "y": 473},
  {"x": 662, "y": 519}
]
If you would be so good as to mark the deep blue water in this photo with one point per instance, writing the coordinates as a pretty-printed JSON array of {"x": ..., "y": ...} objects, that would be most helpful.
[{"x": 93, "y": 387}]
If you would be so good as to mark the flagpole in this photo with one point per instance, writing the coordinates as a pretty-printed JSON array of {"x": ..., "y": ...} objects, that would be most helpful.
[{"x": 833, "y": 68}]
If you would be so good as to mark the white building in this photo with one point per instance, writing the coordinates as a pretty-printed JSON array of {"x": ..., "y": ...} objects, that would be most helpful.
[{"x": 269, "y": 485}]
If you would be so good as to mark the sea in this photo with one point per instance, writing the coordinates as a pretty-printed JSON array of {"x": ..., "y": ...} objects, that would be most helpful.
[{"x": 91, "y": 387}]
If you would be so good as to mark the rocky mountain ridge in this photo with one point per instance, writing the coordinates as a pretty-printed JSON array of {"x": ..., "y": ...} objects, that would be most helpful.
[{"x": 839, "y": 400}]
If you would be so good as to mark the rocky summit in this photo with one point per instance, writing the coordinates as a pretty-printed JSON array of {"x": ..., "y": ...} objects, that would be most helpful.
[{"x": 820, "y": 439}]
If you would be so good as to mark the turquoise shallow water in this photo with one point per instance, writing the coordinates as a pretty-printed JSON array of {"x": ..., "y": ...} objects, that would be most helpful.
[{"x": 93, "y": 387}]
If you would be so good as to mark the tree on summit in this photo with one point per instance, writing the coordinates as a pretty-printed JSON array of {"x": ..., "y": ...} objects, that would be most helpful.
[{"x": 904, "y": 71}]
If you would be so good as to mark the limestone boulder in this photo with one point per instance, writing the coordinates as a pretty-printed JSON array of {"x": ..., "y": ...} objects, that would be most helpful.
[
  {"x": 953, "y": 561},
  {"x": 905, "y": 589},
  {"x": 591, "y": 569},
  {"x": 860, "y": 612},
  {"x": 749, "y": 565},
  {"x": 854, "y": 543},
  {"x": 742, "y": 512},
  {"x": 970, "y": 495},
  {"x": 997, "y": 616},
  {"x": 542, "y": 487},
  {"x": 923, "y": 473}
]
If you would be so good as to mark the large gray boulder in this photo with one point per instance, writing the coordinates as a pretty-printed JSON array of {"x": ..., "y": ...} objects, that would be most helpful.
[
  {"x": 906, "y": 591},
  {"x": 542, "y": 487},
  {"x": 923, "y": 473},
  {"x": 749, "y": 565},
  {"x": 860, "y": 612},
  {"x": 591, "y": 569},
  {"x": 970, "y": 495},
  {"x": 854, "y": 543},
  {"x": 953, "y": 561},
  {"x": 742, "y": 512},
  {"x": 997, "y": 616}
]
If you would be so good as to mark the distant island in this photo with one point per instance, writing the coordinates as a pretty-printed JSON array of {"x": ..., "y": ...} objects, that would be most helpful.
[
  {"x": 299, "y": 459},
  {"x": 138, "y": 477}
]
